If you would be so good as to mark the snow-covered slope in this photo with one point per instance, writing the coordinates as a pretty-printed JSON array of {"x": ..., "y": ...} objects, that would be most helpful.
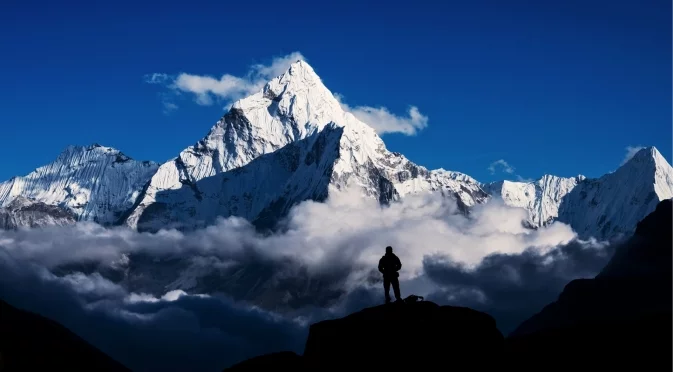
[
  {"x": 614, "y": 203},
  {"x": 540, "y": 198},
  {"x": 95, "y": 183},
  {"x": 313, "y": 146},
  {"x": 23, "y": 212}
]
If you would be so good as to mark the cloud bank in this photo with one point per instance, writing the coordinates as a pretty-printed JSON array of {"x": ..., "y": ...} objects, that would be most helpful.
[
  {"x": 206, "y": 299},
  {"x": 225, "y": 89}
]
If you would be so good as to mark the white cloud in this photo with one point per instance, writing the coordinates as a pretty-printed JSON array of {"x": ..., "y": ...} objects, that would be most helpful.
[
  {"x": 456, "y": 259},
  {"x": 227, "y": 88},
  {"x": 156, "y": 78},
  {"x": 169, "y": 107},
  {"x": 630, "y": 152},
  {"x": 505, "y": 167},
  {"x": 502, "y": 164},
  {"x": 383, "y": 121}
]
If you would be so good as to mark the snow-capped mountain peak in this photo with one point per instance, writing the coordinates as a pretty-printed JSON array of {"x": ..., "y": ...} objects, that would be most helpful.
[
  {"x": 293, "y": 141},
  {"x": 94, "y": 182},
  {"x": 290, "y": 113},
  {"x": 613, "y": 204}
]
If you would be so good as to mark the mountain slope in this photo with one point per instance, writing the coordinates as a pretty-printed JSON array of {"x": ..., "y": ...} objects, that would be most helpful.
[
  {"x": 94, "y": 183},
  {"x": 612, "y": 205},
  {"x": 284, "y": 120}
]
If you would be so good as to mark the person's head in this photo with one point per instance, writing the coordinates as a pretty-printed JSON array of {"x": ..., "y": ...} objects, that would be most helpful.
[{"x": 389, "y": 249}]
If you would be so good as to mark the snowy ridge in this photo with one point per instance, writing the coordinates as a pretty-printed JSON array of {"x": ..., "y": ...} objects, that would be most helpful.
[
  {"x": 292, "y": 141},
  {"x": 289, "y": 109},
  {"x": 95, "y": 183},
  {"x": 612, "y": 205},
  {"x": 541, "y": 198}
]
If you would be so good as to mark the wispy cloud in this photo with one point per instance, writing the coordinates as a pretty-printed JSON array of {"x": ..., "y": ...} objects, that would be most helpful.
[
  {"x": 383, "y": 121},
  {"x": 501, "y": 165},
  {"x": 630, "y": 152},
  {"x": 105, "y": 294},
  {"x": 207, "y": 90}
]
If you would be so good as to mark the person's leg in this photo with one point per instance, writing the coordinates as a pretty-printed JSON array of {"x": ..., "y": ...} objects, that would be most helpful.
[
  {"x": 386, "y": 288},
  {"x": 396, "y": 288}
]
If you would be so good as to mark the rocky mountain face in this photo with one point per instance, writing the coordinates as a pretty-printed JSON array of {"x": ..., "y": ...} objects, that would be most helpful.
[
  {"x": 292, "y": 141},
  {"x": 23, "y": 212}
]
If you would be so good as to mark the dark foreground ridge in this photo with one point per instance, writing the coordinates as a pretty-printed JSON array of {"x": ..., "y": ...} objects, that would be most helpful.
[
  {"x": 621, "y": 319},
  {"x": 31, "y": 342},
  {"x": 389, "y": 337}
]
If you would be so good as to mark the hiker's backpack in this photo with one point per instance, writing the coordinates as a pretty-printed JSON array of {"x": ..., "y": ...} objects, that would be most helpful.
[{"x": 413, "y": 298}]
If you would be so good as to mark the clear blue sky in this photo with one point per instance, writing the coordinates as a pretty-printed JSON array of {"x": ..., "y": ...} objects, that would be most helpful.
[{"x": 560, "y": 87}]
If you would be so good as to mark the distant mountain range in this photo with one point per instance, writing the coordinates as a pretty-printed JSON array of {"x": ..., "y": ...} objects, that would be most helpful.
[{"x": 290, "y": 142}]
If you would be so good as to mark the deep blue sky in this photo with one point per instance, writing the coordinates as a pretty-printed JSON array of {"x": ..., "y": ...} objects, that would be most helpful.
[{"x": 557, "y": 87}]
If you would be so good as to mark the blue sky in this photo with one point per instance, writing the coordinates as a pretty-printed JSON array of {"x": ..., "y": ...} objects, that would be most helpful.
[{"x": 560, "y": 87}]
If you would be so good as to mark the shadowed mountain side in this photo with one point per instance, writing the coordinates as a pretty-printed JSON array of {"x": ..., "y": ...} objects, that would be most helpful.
[
  {"x": 416, "y": 335},
  {"x": 31, "y": 342},
  {"x": 621, "y": 317},
  {"x": 261, "y": 191}
]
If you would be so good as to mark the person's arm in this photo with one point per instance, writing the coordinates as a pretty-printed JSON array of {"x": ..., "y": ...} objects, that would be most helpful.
[
  {"x": 399, "y": 263},
  {"x": 381, "y": 265}
]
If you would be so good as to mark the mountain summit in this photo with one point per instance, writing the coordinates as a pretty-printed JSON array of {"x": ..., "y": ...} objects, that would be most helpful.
[{"x": 289, "y": 142}]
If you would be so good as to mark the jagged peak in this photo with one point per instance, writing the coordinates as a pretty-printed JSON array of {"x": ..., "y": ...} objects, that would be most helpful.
[
  {"x": 299, "y": 79},
  {"x": 649, "y": 155},
  {"x": 70, "y": 149}
]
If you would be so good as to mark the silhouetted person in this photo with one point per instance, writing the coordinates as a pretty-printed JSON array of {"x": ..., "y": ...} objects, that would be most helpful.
[{"x": 389, "y": 265}]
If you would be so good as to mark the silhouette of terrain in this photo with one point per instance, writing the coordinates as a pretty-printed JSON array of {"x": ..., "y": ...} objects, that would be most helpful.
[
  {"x": 621, "y": 318},
  {"x": 385, "y": 337},
  {"x": 31, "y": 342}
]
